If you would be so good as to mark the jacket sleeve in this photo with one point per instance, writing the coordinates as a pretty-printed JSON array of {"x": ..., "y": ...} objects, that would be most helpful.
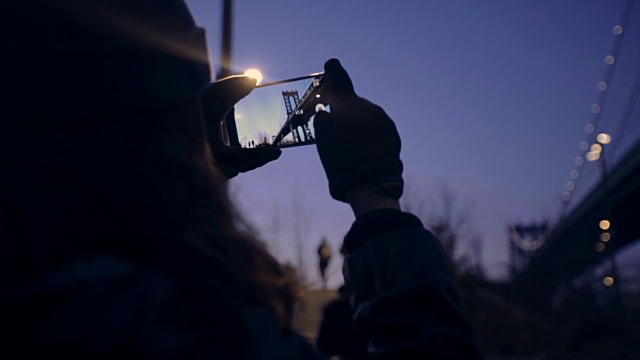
[{"x": 405, "y": 301}]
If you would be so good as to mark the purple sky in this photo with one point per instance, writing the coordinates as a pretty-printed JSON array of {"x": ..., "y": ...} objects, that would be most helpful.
[{"x": 490, "y": 97}]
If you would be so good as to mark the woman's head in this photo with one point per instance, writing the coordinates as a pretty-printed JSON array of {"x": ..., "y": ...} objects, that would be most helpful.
[
  {"x": 109, "y": 156},
  {"x": 75, "y": 56}
]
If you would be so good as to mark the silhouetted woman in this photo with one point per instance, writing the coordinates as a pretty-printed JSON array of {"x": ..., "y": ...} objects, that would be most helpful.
[{"x": 118, "y": 239}]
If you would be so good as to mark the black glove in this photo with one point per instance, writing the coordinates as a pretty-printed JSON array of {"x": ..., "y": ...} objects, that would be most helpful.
[
  {"x": 217, "y": 100},
  {"x": 357, "y": 142}
]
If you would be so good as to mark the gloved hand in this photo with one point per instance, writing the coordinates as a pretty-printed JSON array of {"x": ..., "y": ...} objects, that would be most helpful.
[
  {"x": 357, "y": 142},
  {"x": 216, "y": 101}
]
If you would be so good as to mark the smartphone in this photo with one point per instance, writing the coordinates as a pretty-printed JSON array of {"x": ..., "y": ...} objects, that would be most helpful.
[{"x": 279, "y": 113}]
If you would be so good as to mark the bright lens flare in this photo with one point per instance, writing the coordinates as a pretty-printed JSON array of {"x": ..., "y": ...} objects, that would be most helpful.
[{"x": 254, "y": 73}]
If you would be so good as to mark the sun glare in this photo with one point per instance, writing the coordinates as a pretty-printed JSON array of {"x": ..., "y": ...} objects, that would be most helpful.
[{"x": 254, "y": 73}]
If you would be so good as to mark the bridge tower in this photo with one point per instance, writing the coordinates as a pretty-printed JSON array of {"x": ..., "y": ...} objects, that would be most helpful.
[
  {"x": 291, "y": 101},
  {"x": 525, "y": 241}
]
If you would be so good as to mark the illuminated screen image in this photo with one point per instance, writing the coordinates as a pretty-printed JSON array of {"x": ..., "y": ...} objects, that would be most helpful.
[{"x": 280, "y": 113}]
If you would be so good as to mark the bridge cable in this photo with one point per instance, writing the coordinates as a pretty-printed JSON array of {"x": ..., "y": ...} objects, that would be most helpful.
[{"x": 625, "y": 119}]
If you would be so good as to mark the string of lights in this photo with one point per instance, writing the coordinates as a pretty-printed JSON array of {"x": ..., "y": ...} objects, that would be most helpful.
[{"x": 593, "y": 152}]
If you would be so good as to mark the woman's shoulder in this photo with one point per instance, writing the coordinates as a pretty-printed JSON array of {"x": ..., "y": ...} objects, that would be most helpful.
[{"x": 110, "y": 306}]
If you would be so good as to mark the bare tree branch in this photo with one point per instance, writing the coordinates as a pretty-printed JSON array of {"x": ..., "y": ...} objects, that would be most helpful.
[
  {"x": 300, "y": 222},
  {"x": 448, "y": 218}
]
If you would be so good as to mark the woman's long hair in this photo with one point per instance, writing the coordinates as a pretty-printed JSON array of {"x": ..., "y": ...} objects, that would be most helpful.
[{"x": 91, "y": 166}]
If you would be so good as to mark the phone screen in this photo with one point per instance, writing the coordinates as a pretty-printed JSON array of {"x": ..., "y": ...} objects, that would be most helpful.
[{"x": 280, "y": 113}]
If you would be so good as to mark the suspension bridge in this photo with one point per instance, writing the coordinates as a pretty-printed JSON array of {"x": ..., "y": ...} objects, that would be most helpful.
[{"x": 600, "y": 204}]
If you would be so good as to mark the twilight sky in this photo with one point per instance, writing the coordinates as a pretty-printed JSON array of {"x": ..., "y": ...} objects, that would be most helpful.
[{"x": 489, "y": 97}]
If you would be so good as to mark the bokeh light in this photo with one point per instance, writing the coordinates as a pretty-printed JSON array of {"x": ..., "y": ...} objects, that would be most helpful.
[
  {"x": 605, "y": 224},
  {"x": 607, "y": 281},
  {"x": 605, "y": 236},
  {"x": 609, "y": 60},
  {"x": 599, "y": 247},
  {"x": 617, "y": 30},
  {"x": 603, "y": 138},
  {"x": 592, "y": 156},
  {"x": 574, "y": 174}
]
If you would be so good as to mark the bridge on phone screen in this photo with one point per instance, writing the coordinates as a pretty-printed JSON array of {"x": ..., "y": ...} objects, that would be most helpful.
[
  {"x": 299, "y": 111},
  {"x": 600, "y": 205}
]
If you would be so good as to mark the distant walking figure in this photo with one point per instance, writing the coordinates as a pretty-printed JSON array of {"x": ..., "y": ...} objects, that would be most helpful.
[{"x": 324, "y": 252}]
